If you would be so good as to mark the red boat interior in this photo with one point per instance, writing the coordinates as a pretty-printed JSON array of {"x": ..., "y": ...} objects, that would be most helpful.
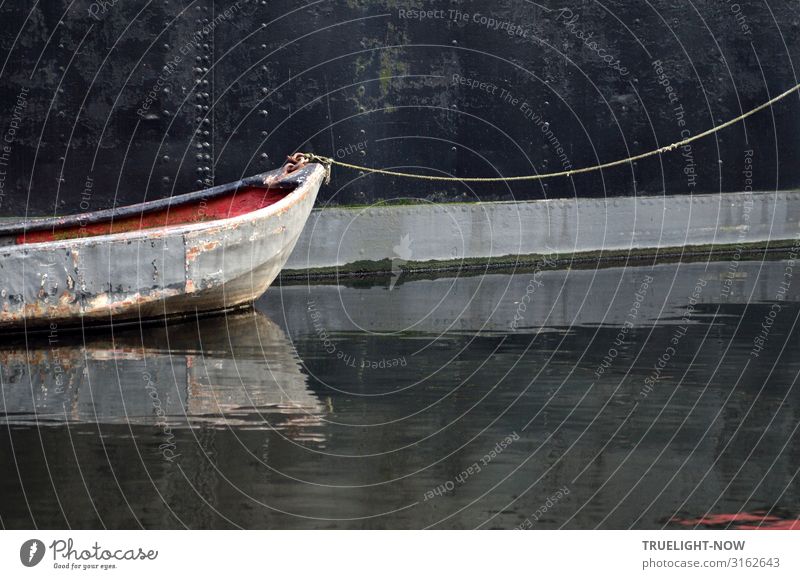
[{"x": 245, "y": 200}]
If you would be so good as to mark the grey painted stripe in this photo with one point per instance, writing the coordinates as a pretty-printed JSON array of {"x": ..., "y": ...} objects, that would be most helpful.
[{"x": 338, "y": 236}]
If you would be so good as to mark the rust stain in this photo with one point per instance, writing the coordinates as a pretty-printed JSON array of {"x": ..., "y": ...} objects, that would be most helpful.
[
  {"x": 194, "y": 251},
  {"x": 66, "y": 299}
]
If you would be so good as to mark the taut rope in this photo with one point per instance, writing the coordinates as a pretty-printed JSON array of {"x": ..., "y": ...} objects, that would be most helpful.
[{"x": 328, "y": 161}]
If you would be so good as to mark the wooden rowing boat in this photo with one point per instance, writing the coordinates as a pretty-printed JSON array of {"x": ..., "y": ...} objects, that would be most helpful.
[{"x": 213, "y": 249}]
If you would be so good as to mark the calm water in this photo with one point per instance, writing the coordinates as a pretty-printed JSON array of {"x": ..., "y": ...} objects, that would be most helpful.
[{"x": 622, "y": 397}]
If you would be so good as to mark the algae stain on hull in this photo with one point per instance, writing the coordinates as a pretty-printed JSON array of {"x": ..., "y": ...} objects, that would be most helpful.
[{"x": 391, "y": 66}]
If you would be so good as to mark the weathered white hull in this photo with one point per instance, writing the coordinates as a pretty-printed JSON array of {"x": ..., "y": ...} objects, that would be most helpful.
[{"x": 153, "y": 272}]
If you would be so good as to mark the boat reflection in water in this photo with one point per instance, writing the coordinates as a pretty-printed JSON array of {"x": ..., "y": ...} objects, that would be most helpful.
[{"x": 236, "y": 370}]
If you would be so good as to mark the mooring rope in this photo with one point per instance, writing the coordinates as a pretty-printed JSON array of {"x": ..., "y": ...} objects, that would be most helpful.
[{"x": 328, "y": 161}]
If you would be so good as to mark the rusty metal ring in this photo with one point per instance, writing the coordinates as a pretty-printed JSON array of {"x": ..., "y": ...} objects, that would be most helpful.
[{"x": 295, "y": 162}]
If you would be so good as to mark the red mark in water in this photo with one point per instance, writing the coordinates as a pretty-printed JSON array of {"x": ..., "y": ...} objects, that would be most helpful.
[{"x": 756, "y": 520}]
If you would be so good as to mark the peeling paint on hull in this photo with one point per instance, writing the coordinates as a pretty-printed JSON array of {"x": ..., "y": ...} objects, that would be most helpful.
[{"x": 153, "y": 273}]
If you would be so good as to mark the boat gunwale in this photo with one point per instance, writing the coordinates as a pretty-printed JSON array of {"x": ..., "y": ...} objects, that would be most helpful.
[{"x": 302, "y": 179}]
